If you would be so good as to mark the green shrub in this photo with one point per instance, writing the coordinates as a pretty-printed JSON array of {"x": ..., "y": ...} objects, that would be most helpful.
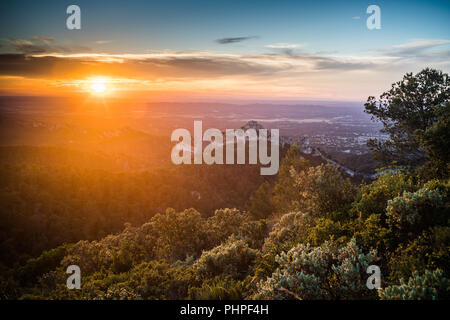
[
  {"x": 325, "y": 272},
  {"x": 428, "y": 286},
  {"x": 233, "y": 258}
]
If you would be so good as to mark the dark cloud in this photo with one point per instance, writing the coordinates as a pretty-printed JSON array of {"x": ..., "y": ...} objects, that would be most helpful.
[
  {"x": 26, "y": 46},
  {"x": 235, "y": 39},
  {"x": 18, "y": 64},
  {"x": 40, "y": 45},
  {"x": 171, "y": 66},
  {"x": 203, "y": 66},
  {"x": 333, "y": 64}
]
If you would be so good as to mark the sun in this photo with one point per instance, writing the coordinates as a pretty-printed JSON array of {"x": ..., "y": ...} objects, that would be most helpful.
[{"x": 98, "y": 86}]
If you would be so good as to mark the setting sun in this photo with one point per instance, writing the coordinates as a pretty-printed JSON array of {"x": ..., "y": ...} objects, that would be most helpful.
[{"x": 98, "y": 85}]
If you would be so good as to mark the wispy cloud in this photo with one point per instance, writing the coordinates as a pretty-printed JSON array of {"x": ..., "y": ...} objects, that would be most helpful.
[
  {"x": 39, "y": 44},
  {"x": 46, "y": 40},
  {"x": 416, "y": 47},
  {"x": 284, "y": 46},
  {"x": 103, "y": 41},
  {"x": 235, "y": 39},
  {"x": 26, "y": 46}
]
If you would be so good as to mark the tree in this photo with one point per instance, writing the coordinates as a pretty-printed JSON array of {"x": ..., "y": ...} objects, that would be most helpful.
[
  {"x": 411, "y": 104},
  {"x": 436, "y": 142},
  {"x": 284, "y": 196},
  {"x": 259, "y": 205},
  {"x": 322, "y": 190}
]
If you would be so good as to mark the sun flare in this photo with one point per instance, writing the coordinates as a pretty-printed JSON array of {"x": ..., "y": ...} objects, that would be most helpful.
[{"x": 98, "y": 86}]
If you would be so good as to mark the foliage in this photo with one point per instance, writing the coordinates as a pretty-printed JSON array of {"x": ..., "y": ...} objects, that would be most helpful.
[
  {"x": 322, "y": 190},
  {"x": 232, "y": 258},
  {"x": 179, "y": 234},
  {"x": 260, "y": 205},
  {"x": 48, "y": 201},
  {"x": 435, "y": 140},
  {"x": 308, "y": 233},
  {"x": 326, "y": 272},
  {"x": 285, "y": 194},
  {"x": 428, "y": 286},
  {"x": 220, "y": 288},
  {"x": 416, "y": 211},
  {"x": 373, "y": 198},
  {"x": 430, "y": 250},
  {"x": 411, "y": 104}
]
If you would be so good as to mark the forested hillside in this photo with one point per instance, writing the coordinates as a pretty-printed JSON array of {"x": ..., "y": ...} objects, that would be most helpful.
[{"x": 225, "y": 232}]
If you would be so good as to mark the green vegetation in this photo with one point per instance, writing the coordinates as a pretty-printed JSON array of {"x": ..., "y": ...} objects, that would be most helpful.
[
  {"x": 309, "y": 233},
  {"x": 409, "y": 109}
]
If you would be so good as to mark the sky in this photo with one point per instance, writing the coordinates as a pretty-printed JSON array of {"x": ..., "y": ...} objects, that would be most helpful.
[{"x": 219, "y": 49}]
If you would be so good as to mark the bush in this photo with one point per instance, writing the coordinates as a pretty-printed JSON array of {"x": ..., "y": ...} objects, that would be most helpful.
[
  {"x": 430, "y": 251},
  {"x": 223, "y": 224},
  {"x": 325, "y": 272},
  {"x": 323, "y": 190},
  {"x": 180, "y": 234},
  {"x": 291, "y": 228},
  {"x": 373, "y": 198},
  {"x": 220, "y": 288},
  {"x": 416, "y": 211},
  {"x": 233, "y": 258},
  {"x": 428, "y": 286}
]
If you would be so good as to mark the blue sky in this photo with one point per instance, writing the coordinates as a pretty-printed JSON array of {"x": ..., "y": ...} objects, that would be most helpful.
[
  {"x": 184, "y": 25},
  {"x": 329, "y": 35}
]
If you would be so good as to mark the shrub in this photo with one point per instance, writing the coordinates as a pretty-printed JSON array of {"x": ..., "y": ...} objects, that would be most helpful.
[
  {"x": 428, "y": 286},
  {"x": 291, "y": 228},
  {"x": 325, "y": 272},
  {"x": 179, "y": 234},
  {"x": 416, "y": 211},
  {"x": 322, "y": 190},
  {"x": 233, "y": 258},
  {"x": 220, "y": 288},
  {"x": 373, "y": 198},
  {"x": 223, "y": 224}
]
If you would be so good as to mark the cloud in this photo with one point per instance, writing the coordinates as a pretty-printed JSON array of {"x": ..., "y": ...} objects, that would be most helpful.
[
  {"x": 26, "y": 46},
  {"x": 46, "y": 40},
  {"x": 259, "y": 75},
  {"x": 103, "y": 41},
  {"x": 415, "y": 48},
  {"x": 142, "y": 66},
  {"x": 235, "y": 39},
  {"x": 330, "y": 61},
  {"x": 277, "y": 71},
  {"x": 334, "y": 64},
  {"x": 179, "y": 66},
  {"x": 283, "y": 46},
  {"x": 39, "y": 45}
]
